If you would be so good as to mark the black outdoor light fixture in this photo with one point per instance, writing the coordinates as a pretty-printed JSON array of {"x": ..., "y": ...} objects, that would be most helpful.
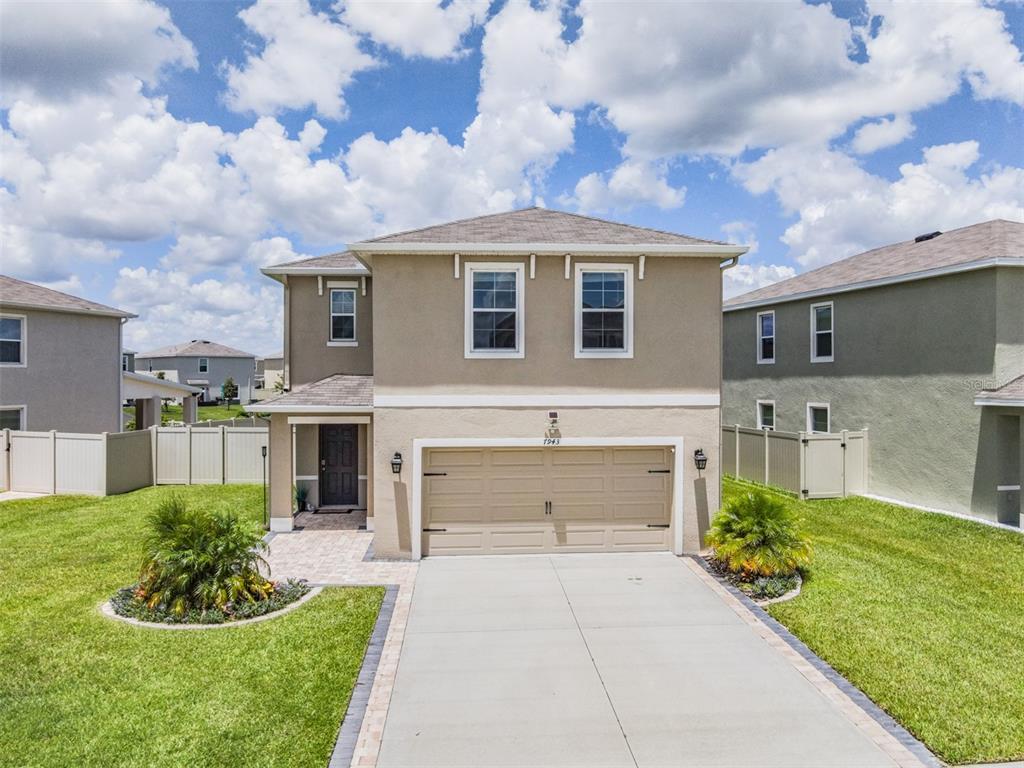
[
  {"x": 700, "y": 459},
  {"x": 396, "y": 463}
]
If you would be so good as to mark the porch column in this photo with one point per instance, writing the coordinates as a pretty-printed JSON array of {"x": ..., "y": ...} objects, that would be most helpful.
[
  {"x": 281, "y": 473},
  {"x": 189, "y": 409},
  {"x": 147, "y": 412},
  {"x": 369, "y": 476}
]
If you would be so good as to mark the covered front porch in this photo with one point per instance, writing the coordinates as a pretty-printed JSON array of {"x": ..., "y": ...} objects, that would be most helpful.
[{"x": 1000, "y": 471}]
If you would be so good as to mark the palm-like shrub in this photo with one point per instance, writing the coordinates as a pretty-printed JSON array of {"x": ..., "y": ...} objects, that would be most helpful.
[
  {"x": 756, "y": 535},
  {"x": 197, "y": 559}
]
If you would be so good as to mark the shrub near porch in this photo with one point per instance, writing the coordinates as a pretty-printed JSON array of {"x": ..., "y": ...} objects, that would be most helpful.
[
  {"x": 922, "y": 612},
  {"x": 77, "y": 688}
]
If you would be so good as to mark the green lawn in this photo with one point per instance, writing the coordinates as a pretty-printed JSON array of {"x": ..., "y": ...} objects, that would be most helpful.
[
  {"x": 79, "y": 689},
  {"x": 172, "y": 412},
  {"x": 922, "y": 612}
]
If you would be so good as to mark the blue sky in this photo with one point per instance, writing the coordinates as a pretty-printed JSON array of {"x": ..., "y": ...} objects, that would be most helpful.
[{"x": 155, "y": 156}]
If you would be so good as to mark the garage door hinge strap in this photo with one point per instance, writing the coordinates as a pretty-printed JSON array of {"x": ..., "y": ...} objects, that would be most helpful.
[
  {"x": 435, "y": 530},
  {"x": 657, "y": 525},
  {"x": 435, "y": 474},
  {"x": 658, "y": 471}
]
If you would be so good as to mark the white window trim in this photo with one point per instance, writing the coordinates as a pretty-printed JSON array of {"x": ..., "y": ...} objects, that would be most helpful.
[
  {"x": 627, "y": 322},
  {"x": 199, "y": 366},
  {"x": 832, "y": 332},
  {"x": 331, "y": 341},
  {"x": 810, "y": 421},
  {"x": 495, "y": 266},
  {"x": 775, "y": 415},
  {"x": 23, "y": 409},
  {"x": 24, "y": 341},
  {"x": 765, "y": 360},
  {"x": 124, "y": 362}
]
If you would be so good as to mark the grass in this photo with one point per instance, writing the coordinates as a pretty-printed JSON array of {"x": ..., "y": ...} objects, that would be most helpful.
[
  {"x": 172, "y": 412},
  {"x": 79, "y": 689},
  {"x": 922, "y": 612}
]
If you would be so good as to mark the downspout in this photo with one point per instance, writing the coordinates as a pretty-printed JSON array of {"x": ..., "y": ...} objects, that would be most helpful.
[
  {"x": 286, "y": 376},
  {"x": 120, "y": 374}
]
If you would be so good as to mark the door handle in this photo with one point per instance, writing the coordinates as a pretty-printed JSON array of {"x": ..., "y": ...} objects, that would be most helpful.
[{"x": 323, "y": 463}]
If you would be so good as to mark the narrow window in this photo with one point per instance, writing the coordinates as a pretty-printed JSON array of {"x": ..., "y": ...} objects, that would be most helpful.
[
  {"x": 604, "y": 310},
  {"x": 343, "y": 314},
  {"x": 766, "y": 414},
  {"x": 12, "y": 418},
  {"x": 149, "y": 366},
  {"x": 821, "y": 333},
  {"x": 204, "y": 365},
  {"x": 819, "y": 417},
  {"x": 766, "y": 337},
  {"x": 124, "y": 362},
  {"x": 12, "y": 340},
  {"x": 494, "y": 310}
]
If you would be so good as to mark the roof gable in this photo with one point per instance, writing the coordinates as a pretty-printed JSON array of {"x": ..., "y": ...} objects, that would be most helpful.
[
  {"x": 19, "y": 293},
  {"x": 195, "y": 348}
]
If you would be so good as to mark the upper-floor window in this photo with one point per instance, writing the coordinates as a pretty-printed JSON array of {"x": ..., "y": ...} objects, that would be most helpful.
[
  {"x": 766, "y": 337},
  {"x": 766, "y": 414},
  {"x": 822, "y": 341},
  {"x": 12, "y": 340},
  {"x": 819, "y": 417},
  {"x": 604, "y": 310},
  {"x": 204, "y": 365},
  {"x": 494, "y": 310},
  {"x": 124, "y": 362},
  {"x": 343, "y": 316}
]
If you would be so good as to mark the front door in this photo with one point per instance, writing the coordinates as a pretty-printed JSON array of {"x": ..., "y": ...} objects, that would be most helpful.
[{"x": 339, "y": 464}]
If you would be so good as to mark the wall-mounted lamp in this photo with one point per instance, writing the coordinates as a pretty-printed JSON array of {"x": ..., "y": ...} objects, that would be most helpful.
[
  {"x": 700, "y": 459},
  {"x": 396, "y": 463}
]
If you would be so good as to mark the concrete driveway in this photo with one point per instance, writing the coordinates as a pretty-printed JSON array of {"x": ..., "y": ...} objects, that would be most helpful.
[{"x": 599, "y": 660}]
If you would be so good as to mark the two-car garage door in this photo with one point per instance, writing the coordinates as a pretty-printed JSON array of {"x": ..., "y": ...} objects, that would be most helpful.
[{"x": 518, "y": 500}]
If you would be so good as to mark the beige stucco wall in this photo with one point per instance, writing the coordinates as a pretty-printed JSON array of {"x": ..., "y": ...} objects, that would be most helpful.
[
  {"x": 72, "y": 380},
  {"x": 420, "y": 342},
  {"x": 308, "y": 327},
  {"x": 395, "y": 428}
]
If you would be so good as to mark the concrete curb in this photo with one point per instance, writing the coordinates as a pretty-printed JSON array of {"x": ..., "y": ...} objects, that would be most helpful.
[{"x": 108, "y": 610}]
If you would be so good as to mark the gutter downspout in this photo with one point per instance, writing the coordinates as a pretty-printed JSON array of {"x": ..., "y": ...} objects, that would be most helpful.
[
  {"x": 120, "y": 374},
  {"x": 286, "y": 363}
]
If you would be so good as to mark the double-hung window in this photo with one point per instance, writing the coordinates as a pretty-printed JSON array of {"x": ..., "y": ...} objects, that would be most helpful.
[
  {"x": 766, "y": 414},
  {"x": 494, "y": 310},
  {"x": 604, "y": 310},
  {"x": 12, "y": 340},
  {"x": 204, "y": 365},
  {"x": 819, "y": 417},
  {"x": 822, "y": 335},
  {"x": 766, "y": 337},
  {"x": 124, "y": 362},
  {"x": 343, "y": 316}
]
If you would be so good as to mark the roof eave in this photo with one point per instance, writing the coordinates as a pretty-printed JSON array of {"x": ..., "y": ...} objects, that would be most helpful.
[
  {"x": 69, "y": 310},
  {"x": 582, "y": 249},
  {"x": 274, "y": 272},
  {"x": 1017, "y": 402},
  {"x": 284, "y": 408}
]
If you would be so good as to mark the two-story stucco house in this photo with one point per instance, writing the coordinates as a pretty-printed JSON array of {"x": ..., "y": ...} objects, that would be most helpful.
[
  {"x": 532, "y": 381},
  {"x": 205, "y": 365},
  {"x": 60, "y": 360},
  {"x": 920, "y": 342}
]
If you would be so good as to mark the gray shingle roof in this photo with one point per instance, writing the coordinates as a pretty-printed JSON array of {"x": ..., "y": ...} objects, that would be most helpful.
[
  {"x": 340, "y": 390},
  {"x": 1012, "y": 391},
  {"x": 195, "y": 348},
  {"x": 540, "y": 225},
  {"x": 979, "y": 242},
  {"x": 18, "y": 293},
  {"x": 343, "y": 260}
]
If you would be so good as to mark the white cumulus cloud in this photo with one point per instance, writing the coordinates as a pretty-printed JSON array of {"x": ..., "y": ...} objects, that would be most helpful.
[{"x": 422, "y": 28}]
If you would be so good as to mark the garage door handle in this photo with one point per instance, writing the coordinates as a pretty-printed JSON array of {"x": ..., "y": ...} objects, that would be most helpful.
[
  {"x": 435, "y": 474},
  {"x": 658, "y": 471},
  {"x": 658, "y": 525},
  {"x": 435, "y": 530}
]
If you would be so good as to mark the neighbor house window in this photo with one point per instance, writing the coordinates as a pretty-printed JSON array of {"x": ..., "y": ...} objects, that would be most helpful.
[
  {"x": 604, "y": 310},
  {"x": 766, "y": 414},
  {"x": 822, "y": 333},
  {"x": 819, "y": 418},
  {"x": 124, "y": 362},
  {"x": 149, "y": 366},
  {"x": 12, "y": 340},
  {"x": 766, "y": 337},
  {"x": 494, "y": 310},
  {"x": 12, "y": 417},
  {"x": 204, "y": 365},
  {"x": 343, "y": 315}
]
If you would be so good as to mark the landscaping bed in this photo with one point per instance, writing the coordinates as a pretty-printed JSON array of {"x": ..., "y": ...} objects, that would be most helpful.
[
  {"x": 921, "y": 611},
  {"x": 761, "y": 589},
  {"x": 129, "y": 603}
]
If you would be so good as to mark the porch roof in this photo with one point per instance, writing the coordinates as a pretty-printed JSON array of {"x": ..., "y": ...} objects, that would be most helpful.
[
  {"x": 1010, "y": 394},
  {"x": 340, "y": 393}
]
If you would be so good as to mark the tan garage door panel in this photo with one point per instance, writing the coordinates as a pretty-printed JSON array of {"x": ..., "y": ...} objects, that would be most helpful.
[{"x": 493, "y": 500}]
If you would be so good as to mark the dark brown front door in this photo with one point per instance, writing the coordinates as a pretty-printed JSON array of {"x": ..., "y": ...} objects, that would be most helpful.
[{"x": 339, "y": 464}]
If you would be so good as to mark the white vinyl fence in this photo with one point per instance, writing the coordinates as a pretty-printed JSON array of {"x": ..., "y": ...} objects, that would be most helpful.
[
  {"x": 111, "y": 463},
  {"x": 811, "y": 465}
]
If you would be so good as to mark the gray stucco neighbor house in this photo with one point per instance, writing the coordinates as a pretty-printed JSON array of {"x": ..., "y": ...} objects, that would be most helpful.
[
  {"x": 920, "y": 342},
  {"x": 203, "y": 364}
]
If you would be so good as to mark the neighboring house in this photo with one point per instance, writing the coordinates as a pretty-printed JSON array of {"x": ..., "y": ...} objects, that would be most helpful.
[
  {"x": 921, "y": 343},
  {"x": 60, "y": 360},
  {"x": 128, "y": 360},
  {"x": 532, "y": 381},
  {"x": 269, "y": 375},
  {"x": 203, "y": 364}
]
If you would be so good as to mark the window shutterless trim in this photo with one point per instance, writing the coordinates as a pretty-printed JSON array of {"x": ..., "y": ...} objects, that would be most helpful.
[
  {"x": 204, "y": 365},
  {"x": 23, "y": 341},
  {"x": 810, "y": 419},
  {"x": 22, "y": 410},
  {"x": 831, "y": 332},
  {"x": 760, "y": 422},
  {"x": 495, "y": 266},
  {"x": 760, "y": 339},
  {"x": 331, "y": 314},
  {"x": 627, "y": 314}
]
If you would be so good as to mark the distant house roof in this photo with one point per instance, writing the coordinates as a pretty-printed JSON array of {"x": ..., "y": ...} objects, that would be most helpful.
[
  {"x": 343, "y": 263},
  {"x": 973, "y": 247},
  {"x": 339, "y": 392},
  {"x": 1011, "y": 394},
  {"x": 195, "y": 348},
  {"x": 20, "y": 294}
]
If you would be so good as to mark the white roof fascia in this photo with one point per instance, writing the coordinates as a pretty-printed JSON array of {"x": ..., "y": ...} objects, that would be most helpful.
[
  {"x": 1015, "y": 403},
  {"x": 338, "y": 409},
  {"x": 859, "y": 286},
  {"x": 650, "y": 249},
  {"x": 314, "y": 271},
  {"x": 68, "y": 310}
]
